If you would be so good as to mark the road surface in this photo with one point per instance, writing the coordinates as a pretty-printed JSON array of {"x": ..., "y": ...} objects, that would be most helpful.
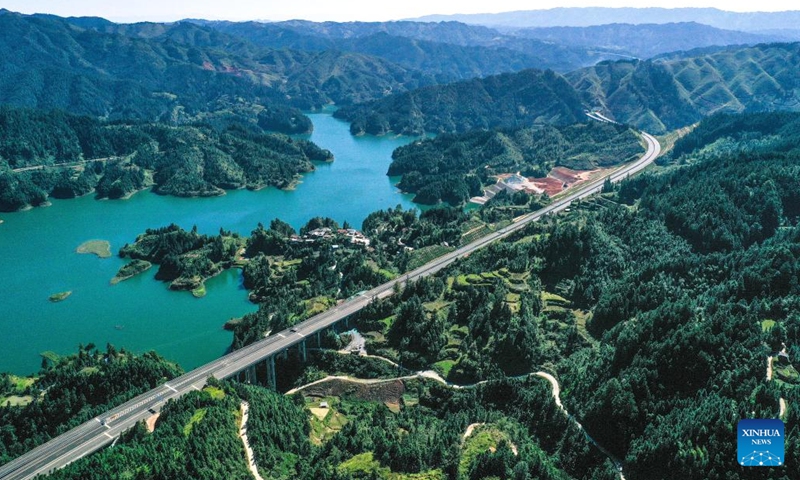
[
  {"x": 64, "y": 165},
  {"x": 98, "y": 432}
]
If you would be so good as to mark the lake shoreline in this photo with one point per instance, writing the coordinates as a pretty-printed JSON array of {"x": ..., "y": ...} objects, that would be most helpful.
[{"x": 179, "y": 326}]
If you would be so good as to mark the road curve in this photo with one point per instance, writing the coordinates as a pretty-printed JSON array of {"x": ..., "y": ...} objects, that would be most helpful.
[
  {"x": 556, "y": 389},
  {"x": 98, "y": 432}
]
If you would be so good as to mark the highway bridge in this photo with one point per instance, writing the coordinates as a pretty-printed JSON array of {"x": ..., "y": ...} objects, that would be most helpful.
[{"x": 98, "y": 432}]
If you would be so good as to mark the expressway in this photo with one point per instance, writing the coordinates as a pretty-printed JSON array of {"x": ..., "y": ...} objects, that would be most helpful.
[{"x": 98, "y": 432}]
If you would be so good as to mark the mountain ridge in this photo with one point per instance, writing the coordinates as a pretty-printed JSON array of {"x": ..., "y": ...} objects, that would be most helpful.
[
  {"x": 439, "y": 49},
  {"x": 647, "y": 40},
  {"x": 653, "y": 95},
  {"x": 175, "y": 72},
  {"x": 587, "y": 16},
  {"x": 506, "y": 101}
]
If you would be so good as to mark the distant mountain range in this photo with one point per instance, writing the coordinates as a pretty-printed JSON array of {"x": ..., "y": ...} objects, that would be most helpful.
[
  {"x": 389, "y": 76},
  {"x": 585, "y": 17},
  {"x": 449, "y": 51},
  {"x": 646, "y": 40},
  {"x": 656, "y": 96},
  {"x": 663, "y": 95},
  {"x": 175, "y": 72}
]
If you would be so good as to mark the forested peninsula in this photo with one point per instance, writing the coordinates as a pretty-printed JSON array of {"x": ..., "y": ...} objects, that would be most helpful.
[
  {"x": 454, "y": 167},
  {"x": 55, "y": 154}
]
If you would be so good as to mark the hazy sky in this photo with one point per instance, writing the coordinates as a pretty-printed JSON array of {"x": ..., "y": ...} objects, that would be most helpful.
[{"x": 166, "y": 10}]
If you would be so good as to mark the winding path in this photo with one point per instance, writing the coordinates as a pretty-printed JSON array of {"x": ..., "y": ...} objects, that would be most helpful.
[
  {"x": 556, "y": 389},
  {"x": 781, "y": 400},
  {"x": 77, "y": 164},
  {"x": 251, "y": 461},
  {"x": 470, "y": 428},
  {"x": 371, "y": 381},
  {"x": 430, "y": 374}
]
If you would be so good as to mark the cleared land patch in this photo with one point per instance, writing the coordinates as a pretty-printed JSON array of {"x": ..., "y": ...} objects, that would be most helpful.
[{"x": 101, "y": 248}]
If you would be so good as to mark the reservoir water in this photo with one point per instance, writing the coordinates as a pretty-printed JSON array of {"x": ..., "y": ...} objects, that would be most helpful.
[{"x": 38, "y": 258}]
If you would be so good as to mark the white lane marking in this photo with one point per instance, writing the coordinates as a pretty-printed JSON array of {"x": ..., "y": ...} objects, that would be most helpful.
[
  {"x": 170, "y": 388},
  {"x": 107, "y": 435},
  {"x": 98, "y": 420},
  {"x": 282, "y": 335},
  {"x": 197, "y": 388}
]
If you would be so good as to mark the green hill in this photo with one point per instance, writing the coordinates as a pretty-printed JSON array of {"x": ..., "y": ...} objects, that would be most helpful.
[
  {"x": 56, "y": 154},
  {"x": 448, "y": 51},
  {"x": 507, "y": 100},
  {"x": 653, "y": 95},
  {"x": 175, "y": 72},
  {"x": 453, "y": 168},
  {"x": 663, "y": 95}
]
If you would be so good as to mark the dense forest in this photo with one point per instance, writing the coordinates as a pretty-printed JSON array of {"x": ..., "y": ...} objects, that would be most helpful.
[
  {"x": 72, "y": 389},
  {"x": 724, "y": 134},
  {"x": 176, "y": 72},
  {"x": 507, "y": 101},
  {"x": 658, "y": 312},
  {"x": 196, "y": 437},
  {"x": 61, "y": 155},
  {"x": 455, "y": 167},
  {"x": 656, "y": 308}
]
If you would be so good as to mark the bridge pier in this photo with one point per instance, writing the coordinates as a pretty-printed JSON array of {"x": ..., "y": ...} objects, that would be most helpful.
[
  {"x": 319, "y": 339},
  {"x": 303, "y": 353},
  {"x": 270, "y": 362},
  {"x": 250, "y": 374}
]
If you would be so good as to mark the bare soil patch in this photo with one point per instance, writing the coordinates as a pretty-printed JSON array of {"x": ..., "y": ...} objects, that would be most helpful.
[
  {"x": 151, "y": 422},
  {"x": 390, "y": 391}
]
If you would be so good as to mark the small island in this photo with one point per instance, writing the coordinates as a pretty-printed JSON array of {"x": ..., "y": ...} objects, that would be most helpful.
[
  {"x": 199, "y": 291},
  {"x": 101, "y": 248},
  {"x": 61, "y": 296},
  {"x": 129, "y": 270},
  {"x": 186, "y": 259}
]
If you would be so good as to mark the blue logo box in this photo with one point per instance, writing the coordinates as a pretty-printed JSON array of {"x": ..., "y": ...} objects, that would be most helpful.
[{"x": 760, "y": 443}]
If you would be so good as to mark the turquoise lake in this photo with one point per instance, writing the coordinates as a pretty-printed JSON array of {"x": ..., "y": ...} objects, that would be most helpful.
[{"x": 38, "y": 258}]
